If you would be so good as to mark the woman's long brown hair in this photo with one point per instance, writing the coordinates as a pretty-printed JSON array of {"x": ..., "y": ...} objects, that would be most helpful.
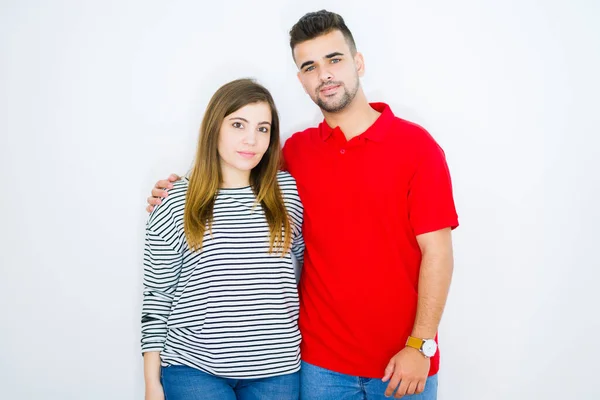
[{"x": 206, "y": 177}]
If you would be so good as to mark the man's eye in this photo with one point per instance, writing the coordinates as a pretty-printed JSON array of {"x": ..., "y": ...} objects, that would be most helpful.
[
  {"x": 335, "y": 60},
  {"x": 309, "y": 68},
  {"x": 237, "y": 125}
]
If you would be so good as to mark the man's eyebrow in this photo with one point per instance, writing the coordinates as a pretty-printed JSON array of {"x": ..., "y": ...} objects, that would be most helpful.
[
  {"x": 305, "y": 63},
  {"x": 334, "y": 54},
  {"x": 330, "y": 55}
]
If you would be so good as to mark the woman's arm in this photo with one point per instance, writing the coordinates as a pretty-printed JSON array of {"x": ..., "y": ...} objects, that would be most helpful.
[
  {"x": 154, "y": 390},
  {"x": 162, "y": 266}
]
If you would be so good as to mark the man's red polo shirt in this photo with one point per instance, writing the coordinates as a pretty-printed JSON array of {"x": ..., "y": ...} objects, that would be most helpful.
[{"x": 365, "y": 200}]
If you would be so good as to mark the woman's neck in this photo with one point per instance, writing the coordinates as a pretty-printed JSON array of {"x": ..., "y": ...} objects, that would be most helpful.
[{"x": 233, "y": 178}]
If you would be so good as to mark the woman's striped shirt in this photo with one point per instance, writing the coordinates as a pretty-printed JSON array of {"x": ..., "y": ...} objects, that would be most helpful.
[{"x": 230, "y": 309}]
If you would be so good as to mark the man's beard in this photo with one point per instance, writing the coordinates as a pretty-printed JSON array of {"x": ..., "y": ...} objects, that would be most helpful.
[{"x": 342, "y": 103}]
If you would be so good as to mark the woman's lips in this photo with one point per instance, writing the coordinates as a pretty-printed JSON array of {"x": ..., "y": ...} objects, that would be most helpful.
[{"x": 246, "y": 154}]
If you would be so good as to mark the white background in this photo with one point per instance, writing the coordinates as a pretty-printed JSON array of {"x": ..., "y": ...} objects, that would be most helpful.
[{"x": 99, "y": 99}]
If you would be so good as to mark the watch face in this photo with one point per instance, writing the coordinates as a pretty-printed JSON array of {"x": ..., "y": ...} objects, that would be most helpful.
[{"x": 429, "y": 347}]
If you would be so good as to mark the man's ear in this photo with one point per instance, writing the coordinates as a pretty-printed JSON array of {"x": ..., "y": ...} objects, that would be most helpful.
[{"x": 359, "y": 61}]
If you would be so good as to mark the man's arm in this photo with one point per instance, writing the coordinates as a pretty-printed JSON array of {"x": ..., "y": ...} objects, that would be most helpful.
[
  {"x": 409, "y": 367},
  {"x": 160, "y": 191},
  {"x": 435, "y": 276}
]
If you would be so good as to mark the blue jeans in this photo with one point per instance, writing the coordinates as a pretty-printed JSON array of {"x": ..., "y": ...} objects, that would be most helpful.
[
  {"x": 185, "y": 383},
  {"x": 318, "y": 383}
]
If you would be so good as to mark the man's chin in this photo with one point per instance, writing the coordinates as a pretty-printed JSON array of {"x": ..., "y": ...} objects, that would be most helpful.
[{"x": 331, "y": 107}]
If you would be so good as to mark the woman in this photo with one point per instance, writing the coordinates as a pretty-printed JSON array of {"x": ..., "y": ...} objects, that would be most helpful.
[{"x": 219, "y": 318}]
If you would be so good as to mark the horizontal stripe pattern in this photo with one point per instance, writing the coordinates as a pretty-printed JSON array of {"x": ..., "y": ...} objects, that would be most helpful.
[{"x": 230, "y": 309}]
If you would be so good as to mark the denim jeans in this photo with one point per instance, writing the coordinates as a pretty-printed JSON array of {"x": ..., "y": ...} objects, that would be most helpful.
[
  {"x": 317, "y": 383},
  {"x": 185, "y": 383}
]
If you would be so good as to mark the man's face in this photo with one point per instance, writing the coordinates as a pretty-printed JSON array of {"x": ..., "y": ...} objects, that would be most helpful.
[{"x": 328, "y": 71}]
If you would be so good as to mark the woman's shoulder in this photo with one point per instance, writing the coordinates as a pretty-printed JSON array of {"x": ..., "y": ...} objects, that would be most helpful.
[
  {"x": 286, "y": 181},
  {"x": 291, "y": 198},
  {"x": 289, "y": 190},
  {"x": 171, "y": 208}
]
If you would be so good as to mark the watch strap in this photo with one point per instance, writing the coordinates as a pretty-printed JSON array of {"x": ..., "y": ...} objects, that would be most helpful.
[{"x": 414, "y": 342}]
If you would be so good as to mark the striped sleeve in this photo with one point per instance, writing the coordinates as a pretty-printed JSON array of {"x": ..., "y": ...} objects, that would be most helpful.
[
  {"x": 162, "y": 266},
  {"x": 163, "y": 261},
  {"x": 298, "y": 247},
  {"x": 295, "y": 211}
]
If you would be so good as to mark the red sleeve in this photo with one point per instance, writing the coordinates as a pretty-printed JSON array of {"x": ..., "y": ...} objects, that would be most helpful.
[
  {"x": 430, "y": 201},
  {"x": 284, "y": 164},
  {"x": 289, "y": 154}
]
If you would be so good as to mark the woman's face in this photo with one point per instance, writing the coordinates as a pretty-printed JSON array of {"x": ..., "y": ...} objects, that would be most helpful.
[{"x": 244, "y": 138}]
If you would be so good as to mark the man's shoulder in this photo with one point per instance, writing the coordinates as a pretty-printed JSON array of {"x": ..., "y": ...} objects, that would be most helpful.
[
  {"x": 296, "y": 145},
  {"x": 409, "y": 129},
  {"x": 300, "y": 137},
  {"x": 412, "y": 135},
  {"x": 416, "y": 140}
]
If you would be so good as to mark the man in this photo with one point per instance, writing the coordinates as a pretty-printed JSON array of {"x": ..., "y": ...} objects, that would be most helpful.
[{"x": 378, "y": 217}]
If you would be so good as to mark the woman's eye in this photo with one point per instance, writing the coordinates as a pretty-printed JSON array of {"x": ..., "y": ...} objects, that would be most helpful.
[
  {"x": 237, "y": 125},
  {"x": 264, "y": 129}
]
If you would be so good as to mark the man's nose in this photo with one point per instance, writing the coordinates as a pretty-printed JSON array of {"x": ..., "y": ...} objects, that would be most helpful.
[{"x": 325, "y": 75}]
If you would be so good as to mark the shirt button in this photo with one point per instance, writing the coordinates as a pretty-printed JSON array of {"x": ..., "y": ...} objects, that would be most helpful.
[{"x": 342, "y": 151}]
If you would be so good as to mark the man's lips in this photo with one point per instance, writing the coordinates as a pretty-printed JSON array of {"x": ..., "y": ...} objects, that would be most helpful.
[{"x": 329, "y": 89}]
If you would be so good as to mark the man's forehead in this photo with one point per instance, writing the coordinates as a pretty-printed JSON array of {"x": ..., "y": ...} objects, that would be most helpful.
[{"x": 321, "y": 46}]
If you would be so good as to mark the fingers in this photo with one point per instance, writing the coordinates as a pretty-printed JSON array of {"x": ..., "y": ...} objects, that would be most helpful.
[
  {"x": 159, "y": 192},
  {"x": 396, "y": 379},
  {"x": 161, "y": 187},
  {"x": 408, "y": 387},
  {"x": 420, "y": 387},
  {"x": 164, "y": 183},
  {"x": 389, "y": 370},
  {"x": 402, "y": 388},
  {"x": 412, "y": 387},
  {"x": 154, "y": 201}
]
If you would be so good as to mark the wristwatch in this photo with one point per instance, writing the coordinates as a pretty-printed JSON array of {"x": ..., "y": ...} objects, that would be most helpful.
[{"x": 427, "y": 347}]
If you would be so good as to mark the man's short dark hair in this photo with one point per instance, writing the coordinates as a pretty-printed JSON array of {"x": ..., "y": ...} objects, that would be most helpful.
[{"x": 319, "y": 23}]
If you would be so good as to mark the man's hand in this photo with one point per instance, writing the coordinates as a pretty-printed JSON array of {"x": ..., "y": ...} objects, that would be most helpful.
[
  {"x": 409, "y": 368},
  {"x": 160, "y": 191}
]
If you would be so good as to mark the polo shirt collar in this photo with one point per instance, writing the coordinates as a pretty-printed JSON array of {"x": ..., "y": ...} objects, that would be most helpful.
[{"x": 375, "y": 132}]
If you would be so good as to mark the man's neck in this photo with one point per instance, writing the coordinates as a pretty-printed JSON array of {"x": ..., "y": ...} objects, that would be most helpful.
[{"x": 356, "y": 118}]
